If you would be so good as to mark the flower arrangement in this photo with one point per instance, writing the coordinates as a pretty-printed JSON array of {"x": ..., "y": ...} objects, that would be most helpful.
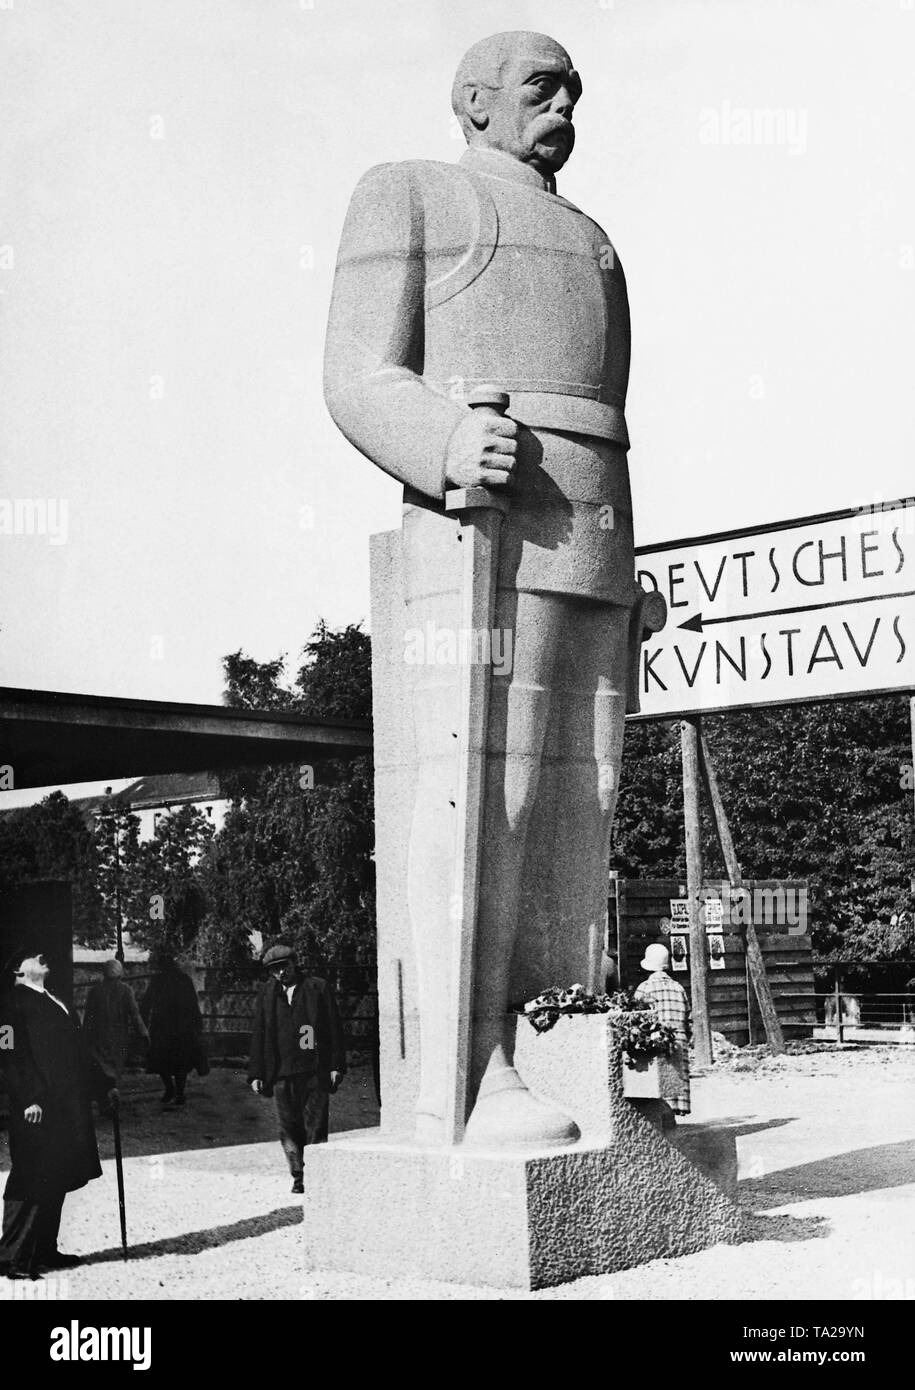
[
  {"x": 543, "y": 1012},
  {"x": 642, "y": 1035},
  {"x": 640, "y": 1032},
  {"x": 637, "y": 1026}
]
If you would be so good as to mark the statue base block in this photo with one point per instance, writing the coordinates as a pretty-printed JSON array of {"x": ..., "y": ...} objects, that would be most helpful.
[
  {"x": 509, "y": 1220},
  {"x": 378, "y": 1202}
]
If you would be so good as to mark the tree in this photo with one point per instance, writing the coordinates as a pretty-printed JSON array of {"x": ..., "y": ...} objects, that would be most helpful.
[
  {"x": 51, "y": 840},
  {"x": 115, "y": 835},
  {"x": 167, "y": 890},
  {"x": 812, "y": 791},
  {"x": 293, "y": 859},
  {"x": 648, "y": 828},
  {"x": 255, "y": 684}
]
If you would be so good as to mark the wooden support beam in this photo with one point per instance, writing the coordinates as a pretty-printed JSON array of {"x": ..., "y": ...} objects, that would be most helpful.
[
  {"x": 912, "y": 721},
  {"x": 755, "y": 963},
  {"x": 698, "y": 945}
]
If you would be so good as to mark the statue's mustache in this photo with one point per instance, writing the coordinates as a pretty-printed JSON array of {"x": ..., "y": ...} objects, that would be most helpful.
[{"x": 547, "y": 126}]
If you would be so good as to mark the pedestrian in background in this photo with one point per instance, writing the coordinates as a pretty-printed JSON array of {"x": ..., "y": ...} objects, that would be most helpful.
[
  {"x": 297, "y": 1053},
  {"x": 669, "y": 1001},
  {"x": 172, "y": 1014},
  {"x": 111, "y": 1022}
]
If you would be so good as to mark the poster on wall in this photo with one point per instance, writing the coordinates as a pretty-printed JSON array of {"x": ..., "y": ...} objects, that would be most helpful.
[
  {"x": 677, "y": 928},
  {"x": 712, "y": 911},
  {"x": 679, "y": 951},
  {"x": 715, "y": 950}
]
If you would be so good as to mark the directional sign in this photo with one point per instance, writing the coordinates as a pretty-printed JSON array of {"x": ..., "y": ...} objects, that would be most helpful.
[{"x": 813, "y": 609}]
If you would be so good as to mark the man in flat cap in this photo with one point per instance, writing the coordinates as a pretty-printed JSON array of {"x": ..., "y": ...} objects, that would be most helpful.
[
  {"x": 452, "y": 278},
  {"x": 52, "y": 1138},
  {"x": 297, "y": 1053}
]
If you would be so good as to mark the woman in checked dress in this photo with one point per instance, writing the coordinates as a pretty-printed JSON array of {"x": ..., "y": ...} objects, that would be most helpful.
[{"x": 671, "y": 1005}]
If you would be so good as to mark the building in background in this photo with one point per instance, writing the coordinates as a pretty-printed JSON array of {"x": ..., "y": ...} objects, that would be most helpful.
[{"x": 151, "y": 798}]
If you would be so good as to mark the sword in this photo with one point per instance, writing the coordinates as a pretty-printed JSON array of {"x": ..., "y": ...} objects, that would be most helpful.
[{"x": 480, "y": 512}]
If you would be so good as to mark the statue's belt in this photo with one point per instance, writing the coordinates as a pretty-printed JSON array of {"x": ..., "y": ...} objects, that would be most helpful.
[{"x": 553, "y": 406}]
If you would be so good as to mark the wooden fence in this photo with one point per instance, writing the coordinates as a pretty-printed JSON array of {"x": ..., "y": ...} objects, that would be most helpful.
[
  {"x": 636, "y": 910},
  {"x": 228, "y": 1011}
]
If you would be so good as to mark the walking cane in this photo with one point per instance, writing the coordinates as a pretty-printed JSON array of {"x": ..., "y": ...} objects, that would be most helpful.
[
  {"x": 119, "y": 1169},
  {"x": 480, "y": 513}
]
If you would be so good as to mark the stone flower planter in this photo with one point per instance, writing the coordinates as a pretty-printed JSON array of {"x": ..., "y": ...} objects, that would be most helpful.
[{"x": 642, "y": 1078}]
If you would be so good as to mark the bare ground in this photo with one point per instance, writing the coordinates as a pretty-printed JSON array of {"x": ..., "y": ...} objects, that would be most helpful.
[{"x": 826, "y": 1141}]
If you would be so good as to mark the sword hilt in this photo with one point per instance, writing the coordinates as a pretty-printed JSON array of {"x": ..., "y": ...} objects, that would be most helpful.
[
  {"x": 488, "y": 398},
  {"x": 461, "y": 499}
]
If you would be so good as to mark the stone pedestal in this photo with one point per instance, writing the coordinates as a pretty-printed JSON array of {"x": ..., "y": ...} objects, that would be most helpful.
[{"x": 625, "y": 1194}]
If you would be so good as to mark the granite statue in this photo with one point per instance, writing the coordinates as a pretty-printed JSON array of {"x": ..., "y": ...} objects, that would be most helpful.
[{"x": 451, "y": 278}]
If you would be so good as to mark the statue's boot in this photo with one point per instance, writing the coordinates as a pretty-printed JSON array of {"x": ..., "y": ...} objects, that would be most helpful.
[{"x": 507, "y": 1115}]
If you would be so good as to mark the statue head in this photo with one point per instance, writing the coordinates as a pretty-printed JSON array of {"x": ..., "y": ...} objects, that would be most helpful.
[{"x": 516, "y": 92}]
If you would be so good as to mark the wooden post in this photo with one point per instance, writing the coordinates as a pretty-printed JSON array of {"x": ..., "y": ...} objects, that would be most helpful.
[
  {"x": 755, "y": 963},
  {"x": 912, "y": 722},
  {"x": 698, "y": 945},
  {"x": 838, "y": 996}
]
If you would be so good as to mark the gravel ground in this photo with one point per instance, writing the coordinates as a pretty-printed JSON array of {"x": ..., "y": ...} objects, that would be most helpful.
[{"x": 826, "y": 1141}]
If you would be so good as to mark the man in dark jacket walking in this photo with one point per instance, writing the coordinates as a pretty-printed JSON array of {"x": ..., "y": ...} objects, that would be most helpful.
[
  {"x": 52, "y": 1138},
  {"x": 171, "y": 1012},
  {"x": 297, "y": 1053}
]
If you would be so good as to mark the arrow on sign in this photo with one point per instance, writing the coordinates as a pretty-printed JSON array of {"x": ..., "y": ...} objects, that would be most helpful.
[{"x": 698, "y": 623}]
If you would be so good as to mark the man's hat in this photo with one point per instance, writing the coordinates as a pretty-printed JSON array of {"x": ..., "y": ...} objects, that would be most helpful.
[
  {"x": 278, "y": 953},
  {"x": 15, "y": 961}
]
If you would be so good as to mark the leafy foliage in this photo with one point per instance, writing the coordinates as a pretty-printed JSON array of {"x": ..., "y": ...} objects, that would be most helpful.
[
  {"x": 115, "y": 836},
  {"x": 167, "y": 897},
  {"x": 293, "y": 860},
  {"x": 814, "y": 792},
  {"x": 50, "y": 840}
]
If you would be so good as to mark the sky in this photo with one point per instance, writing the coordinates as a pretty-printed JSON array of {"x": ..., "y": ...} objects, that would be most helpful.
[{"x": 175, "y": 175}]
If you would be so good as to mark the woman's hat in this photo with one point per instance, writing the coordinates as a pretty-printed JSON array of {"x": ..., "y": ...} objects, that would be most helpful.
[{"x": 656, "y": 957}]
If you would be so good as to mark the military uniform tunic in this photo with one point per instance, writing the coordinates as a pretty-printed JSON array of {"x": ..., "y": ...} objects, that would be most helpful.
[{"x": 454, "y": 276}]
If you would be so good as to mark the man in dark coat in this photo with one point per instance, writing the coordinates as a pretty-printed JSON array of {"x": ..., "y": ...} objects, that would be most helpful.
[
  {"x": 297, "y": 1053},
  {"x": 172, "y": 1014},
  {"x": 111, "y": 1020},
  {"x": 52, "y": 1138}
]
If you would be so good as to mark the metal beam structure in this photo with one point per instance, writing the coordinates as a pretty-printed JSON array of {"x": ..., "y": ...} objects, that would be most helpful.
[{"x": 51, "y": 738}]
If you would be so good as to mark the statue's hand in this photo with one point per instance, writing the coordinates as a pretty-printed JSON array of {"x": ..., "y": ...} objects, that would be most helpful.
[{"x": 482, "y": 451}]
